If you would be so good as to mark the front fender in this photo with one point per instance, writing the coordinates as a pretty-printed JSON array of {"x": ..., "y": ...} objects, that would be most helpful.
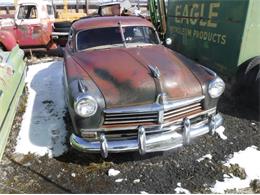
[{"x": 7, "y": 39}]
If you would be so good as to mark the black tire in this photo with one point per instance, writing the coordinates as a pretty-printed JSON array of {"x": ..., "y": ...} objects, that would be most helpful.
[
  {"x": 65, "y": 24},
  {"x": 249, "y": 87},
  {"x": 253, "y": 81},
  {"x": 2, "y": 47}
]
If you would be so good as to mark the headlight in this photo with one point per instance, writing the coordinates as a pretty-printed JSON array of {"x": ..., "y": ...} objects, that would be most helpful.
[
  {"x": 216, "y": 87},
  {"x": 85, "y": 106}
]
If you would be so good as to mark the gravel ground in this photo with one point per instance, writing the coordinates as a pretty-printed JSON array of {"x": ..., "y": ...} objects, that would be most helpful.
[{"x": 76, "y": 172}]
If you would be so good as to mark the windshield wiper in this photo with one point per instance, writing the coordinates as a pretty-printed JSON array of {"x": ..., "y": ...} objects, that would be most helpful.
[{"x": 122, "y": 34}]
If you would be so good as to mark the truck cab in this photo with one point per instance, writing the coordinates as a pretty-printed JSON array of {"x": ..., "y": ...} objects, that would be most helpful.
[{"x": 31, "y": 27}]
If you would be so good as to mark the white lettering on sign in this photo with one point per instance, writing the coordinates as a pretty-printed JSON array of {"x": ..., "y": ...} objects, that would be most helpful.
[
  {"x": 195, "y": 14},
  {"x": 202, "y": 35}
]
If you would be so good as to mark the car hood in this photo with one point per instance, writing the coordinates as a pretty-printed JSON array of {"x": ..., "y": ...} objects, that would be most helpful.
[{"x": 125, "y": 79}]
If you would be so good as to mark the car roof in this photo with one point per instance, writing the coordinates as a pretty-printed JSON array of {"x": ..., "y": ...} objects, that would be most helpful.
[{"x": 110, "y": 21}]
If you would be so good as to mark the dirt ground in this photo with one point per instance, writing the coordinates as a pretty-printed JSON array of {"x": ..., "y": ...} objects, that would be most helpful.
[{"x": 76, "y": 172}]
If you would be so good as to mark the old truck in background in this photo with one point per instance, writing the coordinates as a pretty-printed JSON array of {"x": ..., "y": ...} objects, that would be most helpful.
[
  {"x": 31, "y": 26},
  {"x": 12, "y": 75},
  {"x": 223, "y": 35}
]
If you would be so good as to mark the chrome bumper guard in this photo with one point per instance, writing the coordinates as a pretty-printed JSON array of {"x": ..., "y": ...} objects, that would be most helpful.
[{"x": 149, "y": 143}]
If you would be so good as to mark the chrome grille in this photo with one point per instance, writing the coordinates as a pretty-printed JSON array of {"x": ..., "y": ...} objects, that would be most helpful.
[
  {"x": 129, "y": 118},
  {"x": 174, "y": 114},
  {"x": 152, "y": 114}
]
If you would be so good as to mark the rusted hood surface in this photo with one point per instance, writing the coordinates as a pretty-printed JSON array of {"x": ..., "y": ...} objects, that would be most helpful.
[{"x": 124, "y": 78}]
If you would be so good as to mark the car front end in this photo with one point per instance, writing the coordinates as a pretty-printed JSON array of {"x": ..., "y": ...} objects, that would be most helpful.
[{"x": 142, "y": 98}]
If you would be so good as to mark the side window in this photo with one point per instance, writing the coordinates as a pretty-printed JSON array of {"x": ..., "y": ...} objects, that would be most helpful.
[{"x": 27, "y": 12}]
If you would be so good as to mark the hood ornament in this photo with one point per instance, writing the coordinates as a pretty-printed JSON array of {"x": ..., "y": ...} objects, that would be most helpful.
[{"x": 155, "y": 71}]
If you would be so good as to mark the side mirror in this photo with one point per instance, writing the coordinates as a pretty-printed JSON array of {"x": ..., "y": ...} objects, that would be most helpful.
[{"x": 168, "y": 41}]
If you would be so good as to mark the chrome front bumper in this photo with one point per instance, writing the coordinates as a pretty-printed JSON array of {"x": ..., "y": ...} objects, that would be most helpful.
[{"x": 149, "y": 143}]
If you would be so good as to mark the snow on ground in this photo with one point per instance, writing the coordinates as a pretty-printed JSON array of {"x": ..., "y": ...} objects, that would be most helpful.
[
  {"x": 137, "y": 181},
  {"x": 180, "y": 190},
  {"x": 249, "y": 159},
  {"x": 112, "y": 172},
  {"x": 43, "y": 129},
  {"x": 208, "y": 156},
  {"x": 119, "y": 180},
  {"x": 220, "y": 132}
]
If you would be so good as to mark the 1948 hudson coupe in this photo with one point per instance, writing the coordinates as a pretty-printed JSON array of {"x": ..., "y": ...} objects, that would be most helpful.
[{"x": 127, "y": 92}]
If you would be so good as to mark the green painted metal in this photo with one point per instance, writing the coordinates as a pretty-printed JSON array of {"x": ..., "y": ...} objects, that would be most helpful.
[
  {"x": 12, "y": 76},
  {"x": 221, "y": 34},
  {"x": 157, "y": 14},
  {"x": 154, "y": 14},
  {"x": 251, "y": 38}
]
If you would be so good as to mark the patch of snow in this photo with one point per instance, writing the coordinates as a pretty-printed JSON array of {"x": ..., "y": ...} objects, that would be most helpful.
[
  {"x": 144, "y": 192},
  {"x": 113, "y": 172},
  {"x": 208, "y": 156},
  {"x": 249, "y": 159},
  {"x": 120, "y": 180},
  {"x": 43, "y": 129},
  {"x": 220, "y": 132},
  {"x": 180, "y": 190},
  {"x": 73, "y": 174},
  {"x": 137, "y": 181}
]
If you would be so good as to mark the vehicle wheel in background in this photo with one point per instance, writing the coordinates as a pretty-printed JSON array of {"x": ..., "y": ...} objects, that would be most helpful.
[
  {"x": 2, "y": 47},
  {"x": 248, "y": 87},
  {"x": 253, "y": 86}
]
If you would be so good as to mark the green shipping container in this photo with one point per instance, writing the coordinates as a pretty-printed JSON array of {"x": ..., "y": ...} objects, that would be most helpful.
[{"x": 221, "y": 34}]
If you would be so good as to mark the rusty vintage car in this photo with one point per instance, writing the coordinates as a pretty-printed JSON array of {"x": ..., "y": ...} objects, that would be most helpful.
[{"x": 125, "y": 91}]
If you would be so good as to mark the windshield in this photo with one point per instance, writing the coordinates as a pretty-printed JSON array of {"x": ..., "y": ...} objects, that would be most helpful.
[
  {"x": 27, "y": 12},
  {"x": 112, "y": 37}
]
